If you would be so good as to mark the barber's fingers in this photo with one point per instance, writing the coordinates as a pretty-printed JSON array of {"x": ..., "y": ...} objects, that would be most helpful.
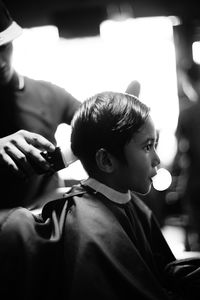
[
  {"x": 23, "y": 163},
  {"x": 26, "y": 158},
  {"x": 31, "y": 144},
  {"x": 21, "y": 148},
  {"x": 8, "y": 161},
  {"x": 36, "y": 140}
]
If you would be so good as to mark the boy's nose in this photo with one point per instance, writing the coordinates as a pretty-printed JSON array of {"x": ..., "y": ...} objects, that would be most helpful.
[{"x": 156, "y": 160}]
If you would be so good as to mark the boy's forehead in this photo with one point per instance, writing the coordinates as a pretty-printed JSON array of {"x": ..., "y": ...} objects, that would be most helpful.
[{"x": 146, "y": 132}]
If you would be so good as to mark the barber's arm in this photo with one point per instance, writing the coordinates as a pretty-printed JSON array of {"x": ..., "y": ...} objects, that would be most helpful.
[{"x": 21, "y": 152}]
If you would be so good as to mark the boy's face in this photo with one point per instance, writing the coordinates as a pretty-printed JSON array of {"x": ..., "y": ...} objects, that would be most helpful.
[{"x": 141, "y": 161}]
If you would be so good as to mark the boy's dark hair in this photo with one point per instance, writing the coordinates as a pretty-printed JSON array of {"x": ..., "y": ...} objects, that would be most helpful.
[{"x": 107, "y": 120}]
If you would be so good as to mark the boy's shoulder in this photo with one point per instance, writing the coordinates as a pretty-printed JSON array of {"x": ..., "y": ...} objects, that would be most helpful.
[
  {"x": 78, "y": 197},
  {"x": 78, "y": 191},
  {"x": 58, "y": 204}
]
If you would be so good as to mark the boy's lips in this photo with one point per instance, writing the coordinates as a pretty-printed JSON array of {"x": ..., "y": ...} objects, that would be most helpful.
[{"x": 153, "y": 176}]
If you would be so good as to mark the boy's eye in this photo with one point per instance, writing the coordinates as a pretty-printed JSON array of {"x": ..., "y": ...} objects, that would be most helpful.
[{"x": 148, "y": 147}]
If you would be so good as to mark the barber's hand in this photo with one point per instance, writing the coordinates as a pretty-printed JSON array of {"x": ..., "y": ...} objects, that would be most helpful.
[{"x": 21, "y": 151}]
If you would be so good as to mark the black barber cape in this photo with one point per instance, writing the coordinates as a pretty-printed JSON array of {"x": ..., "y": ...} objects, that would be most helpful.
[{"x": 86, "y": 246}]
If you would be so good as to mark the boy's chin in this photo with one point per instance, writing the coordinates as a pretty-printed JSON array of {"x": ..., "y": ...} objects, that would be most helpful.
[{"x": 145, "y": 191}]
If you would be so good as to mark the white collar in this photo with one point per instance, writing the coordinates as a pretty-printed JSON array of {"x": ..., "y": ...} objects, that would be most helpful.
[{"x": 113, "y": 195}]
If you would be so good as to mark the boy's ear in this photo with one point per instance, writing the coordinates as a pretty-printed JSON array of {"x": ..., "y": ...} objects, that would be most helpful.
[{"x": 104, "y": 160}]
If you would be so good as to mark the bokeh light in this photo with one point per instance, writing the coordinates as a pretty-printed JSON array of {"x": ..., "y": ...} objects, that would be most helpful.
[{"x": 162, "y": 180}]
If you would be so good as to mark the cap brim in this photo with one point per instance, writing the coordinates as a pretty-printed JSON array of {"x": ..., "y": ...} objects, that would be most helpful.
[{"x": 11, "y": 33}]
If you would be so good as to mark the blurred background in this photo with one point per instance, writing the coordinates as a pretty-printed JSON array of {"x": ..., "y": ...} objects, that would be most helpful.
[{"x": 90, "y": 46}]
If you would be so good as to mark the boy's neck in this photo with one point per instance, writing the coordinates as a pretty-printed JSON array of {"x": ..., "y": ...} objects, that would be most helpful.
[
  {"x": 108, "y": 191},
  {"x": 109, "y": 181}
]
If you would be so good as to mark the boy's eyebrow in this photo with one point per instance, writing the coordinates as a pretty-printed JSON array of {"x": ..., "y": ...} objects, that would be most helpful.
[{"x": 151, "y": 139}]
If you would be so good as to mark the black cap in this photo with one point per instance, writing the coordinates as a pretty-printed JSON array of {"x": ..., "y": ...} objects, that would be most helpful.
[{"x": 9, "y": 29}]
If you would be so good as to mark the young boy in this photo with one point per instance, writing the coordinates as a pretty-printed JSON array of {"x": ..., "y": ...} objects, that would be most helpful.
[
  {"x": 114, "y": 246},
  {"x": 99, "y": 241}
]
